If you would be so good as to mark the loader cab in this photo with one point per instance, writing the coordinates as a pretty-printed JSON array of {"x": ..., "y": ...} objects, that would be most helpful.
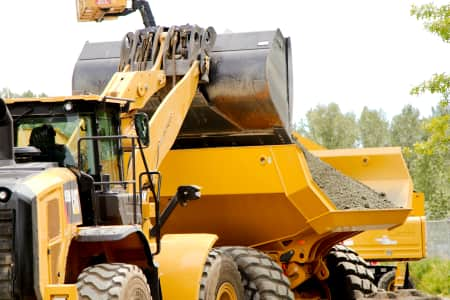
[
  {"x": 87, "y": 130},
  {"x": 65, "y": 122},
  {"x": 77, "y": 128}
]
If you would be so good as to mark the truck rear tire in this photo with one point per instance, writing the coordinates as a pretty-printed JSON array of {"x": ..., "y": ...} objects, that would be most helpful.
[
  {"x": 387, "y": 282},
  {"x": 113, "y": 281},
  {"x": 263, "y": 278},
  {"x": 220, "y": 279},
  {"x": 349, "y": 276}
]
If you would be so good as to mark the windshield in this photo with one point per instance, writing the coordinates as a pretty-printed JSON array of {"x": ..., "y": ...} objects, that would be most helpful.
[{"x": 57, "y": 138}]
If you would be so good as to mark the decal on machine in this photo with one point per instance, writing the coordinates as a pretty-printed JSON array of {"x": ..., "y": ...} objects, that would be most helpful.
[
  {"x": 72, "y": 202},
  {"x": 385, "y": 240}
]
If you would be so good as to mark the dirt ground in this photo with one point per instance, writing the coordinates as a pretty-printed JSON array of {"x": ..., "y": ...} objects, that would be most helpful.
[{"x": 403, "y": 295}]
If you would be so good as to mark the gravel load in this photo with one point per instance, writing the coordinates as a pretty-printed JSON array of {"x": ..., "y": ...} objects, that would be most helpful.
[{"x": 343, "y": 191}]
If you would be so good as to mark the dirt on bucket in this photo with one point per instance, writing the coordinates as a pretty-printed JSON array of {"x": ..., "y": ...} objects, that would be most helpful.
[{"x": 344, "y": 191}]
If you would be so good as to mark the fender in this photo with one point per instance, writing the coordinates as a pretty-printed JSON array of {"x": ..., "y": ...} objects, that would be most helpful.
[
  {"x": 122, "y": 243},
  {"x": 181, "y": 262}
]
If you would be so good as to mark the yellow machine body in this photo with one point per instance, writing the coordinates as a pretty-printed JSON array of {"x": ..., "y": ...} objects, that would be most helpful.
[
  {"x": 60, "y": 253},
  {"x": 96, "y": 10},
  {"x": 56, "y": 231},
  {"x": 181, "y": 263},
  {"x": 58, "y": 217},
  {"x": 257, "y": 196},
  {"x": 258, "y": 186},
  {"x": 404, "y": 242},
  {"x": 265, "y": 197}
]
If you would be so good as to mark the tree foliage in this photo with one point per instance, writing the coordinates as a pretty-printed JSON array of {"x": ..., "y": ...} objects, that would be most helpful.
[
  {"x": 406, "y": 127},
  {"x": 430, "y": 163},
  {"x": 425, "y": 143},
  {"x": 328, "y": 126},
  {"x": 373, "y": 128},
  {"x": 7, "y": 93},
  {"x": 436, "y": 18}
]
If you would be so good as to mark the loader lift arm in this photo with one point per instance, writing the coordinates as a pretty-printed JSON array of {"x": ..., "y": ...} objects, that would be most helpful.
[{"x": 148, "y": 57}]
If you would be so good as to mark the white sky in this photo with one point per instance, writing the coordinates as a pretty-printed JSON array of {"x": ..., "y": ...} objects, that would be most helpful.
[{"x": 351, "y": 52}]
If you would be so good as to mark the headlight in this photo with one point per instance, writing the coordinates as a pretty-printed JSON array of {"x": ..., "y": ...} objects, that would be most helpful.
[
  {"x": 68, "y": 106},
  {"x": 5, "y": 194}
]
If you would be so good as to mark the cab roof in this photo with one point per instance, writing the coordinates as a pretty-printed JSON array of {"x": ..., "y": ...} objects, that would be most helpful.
[{"x": 57, "y": 99}]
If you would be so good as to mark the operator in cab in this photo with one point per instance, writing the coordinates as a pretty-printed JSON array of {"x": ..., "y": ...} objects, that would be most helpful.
[{"x": 43, "y": 138}]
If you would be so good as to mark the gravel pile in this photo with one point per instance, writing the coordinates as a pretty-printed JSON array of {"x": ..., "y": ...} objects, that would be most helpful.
[{"x": 343, "y": 191}]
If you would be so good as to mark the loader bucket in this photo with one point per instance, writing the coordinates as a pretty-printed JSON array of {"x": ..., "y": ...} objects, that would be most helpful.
[
  {"x": 261, "y": 194},
  {"x": 248, "y": 100}
]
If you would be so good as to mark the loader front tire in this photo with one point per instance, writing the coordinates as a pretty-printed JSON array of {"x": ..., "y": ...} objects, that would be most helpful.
[
  {"x": 263, "y": 278},
  {"x": 349, "y": 278},
  {"x": 220, "y": 279},
  {"x": 113, "y": 281}
]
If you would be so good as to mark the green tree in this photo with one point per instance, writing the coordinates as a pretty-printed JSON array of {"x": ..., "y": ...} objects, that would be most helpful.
[
  {"x": 28, "y": 94},
  {"x": 406, "y": 127},
  {"x": 7, "y": 93},
  {"x": 436, "y": 19},
  {"x": 373, "y": 128},
  {"x": 329, "y": 127},
  {"x": 430, "y": 163}
]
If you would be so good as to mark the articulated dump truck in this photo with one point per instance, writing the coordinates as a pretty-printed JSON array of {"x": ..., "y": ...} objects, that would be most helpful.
[{"x": 171, "y": 172}]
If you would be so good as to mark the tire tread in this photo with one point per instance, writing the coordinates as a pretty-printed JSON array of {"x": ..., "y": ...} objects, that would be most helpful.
[
  {"x": 263, "y": 278},
  {"x": 105, "y": 281}
]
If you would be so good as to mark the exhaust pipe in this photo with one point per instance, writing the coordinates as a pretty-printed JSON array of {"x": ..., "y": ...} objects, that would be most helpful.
[{"x": 6, "y": 132}]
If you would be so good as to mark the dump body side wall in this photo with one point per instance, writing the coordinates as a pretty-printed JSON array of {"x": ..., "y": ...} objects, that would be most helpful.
[{"x": 256, "y": 195}]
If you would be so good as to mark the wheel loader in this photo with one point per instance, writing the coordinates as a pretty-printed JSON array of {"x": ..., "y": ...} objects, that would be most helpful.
[{"x": 99, "y": 197}]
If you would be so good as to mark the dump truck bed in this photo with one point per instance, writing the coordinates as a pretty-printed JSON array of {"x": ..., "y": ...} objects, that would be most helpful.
[{"x": 260, "y": 194}]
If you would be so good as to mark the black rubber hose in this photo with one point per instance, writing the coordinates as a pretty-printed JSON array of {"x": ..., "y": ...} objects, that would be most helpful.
[{"x": 146, "y": 12}]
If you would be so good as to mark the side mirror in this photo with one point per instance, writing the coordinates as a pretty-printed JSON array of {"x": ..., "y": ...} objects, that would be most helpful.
[{"x": 141, "y": 127}]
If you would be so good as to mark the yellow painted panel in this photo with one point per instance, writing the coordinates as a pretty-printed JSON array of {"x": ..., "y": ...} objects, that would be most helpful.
[
  {"x": 54, "y": 232},
  {"x": 222, "y": 171},
  {"x": 258, "y": 194},
  {"x": 181, "y": 262},
  {"x": 67, "y": 290},
  {"x": 57, "y": 99},
  {"x": 403, "y": 242},
  {"x": 307, "y": 143},
  {"x": 418, "y": 204}
]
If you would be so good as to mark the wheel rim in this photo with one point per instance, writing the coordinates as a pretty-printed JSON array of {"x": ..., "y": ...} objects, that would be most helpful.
[
  {"x": 391, "y": 286},
  {"x": 226, "y": 292}
]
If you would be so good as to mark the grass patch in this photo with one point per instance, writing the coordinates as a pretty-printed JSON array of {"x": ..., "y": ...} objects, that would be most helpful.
[{"x": 432, "y": 275}]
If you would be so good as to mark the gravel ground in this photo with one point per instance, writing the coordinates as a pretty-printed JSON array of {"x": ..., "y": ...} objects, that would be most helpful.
[
  {"x": 343, "y": 191},
  {"x": 402, "y": 295}
]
